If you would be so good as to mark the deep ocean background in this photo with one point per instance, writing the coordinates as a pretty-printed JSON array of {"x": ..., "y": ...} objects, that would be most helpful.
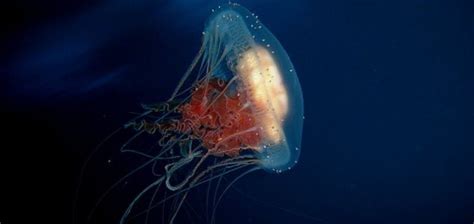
[{"x": 388, "y": 89}]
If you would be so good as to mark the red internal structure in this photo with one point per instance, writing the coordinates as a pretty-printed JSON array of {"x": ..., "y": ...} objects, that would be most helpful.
[{"x": 224, "y": 122}]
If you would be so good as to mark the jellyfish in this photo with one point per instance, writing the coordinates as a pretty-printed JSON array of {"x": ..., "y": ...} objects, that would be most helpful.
[{"x": 238, "y": 108}]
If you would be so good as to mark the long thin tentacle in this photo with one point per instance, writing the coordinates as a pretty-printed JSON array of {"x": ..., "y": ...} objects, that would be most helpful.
[
  {"x": 101, "y": 198},
  {"x": 227, "y": 188},
  {"x": 83, "y": 169},
  {"x": 130, "y": 206},
  {"x": 239, "y": 165}
]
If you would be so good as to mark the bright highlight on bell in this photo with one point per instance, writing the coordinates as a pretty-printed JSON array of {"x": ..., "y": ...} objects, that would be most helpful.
[{"x": 261, "y": 75}]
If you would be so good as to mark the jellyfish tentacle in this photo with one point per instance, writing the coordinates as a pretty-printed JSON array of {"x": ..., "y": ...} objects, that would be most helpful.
[
  {"x": 232, "y": 136},
  {"x": 124, "y": 149},
  {"x": 171, "y": 168},
  {"x": 158, "y": 157},
  {"x": 101, "y": 198},
  {"x": 203, "y": 56},
  {"x": 151, "y": 201},
  {"x": 211, "y": 68},
  {"x": 213, "y": 44},
  {"x": 227, "y": 188},
  {"x": 113, "y": 186},
  {"x": 231, "y": 167},
  {"x": 167, "y": 106},
  {"x": 188, "y": 72},
  {"x": 130, "y": 206},
  {"x": 199, "y": 78},
  {"x": 138, "y": 153},
  {"x": 131, "y": 139},
  {"x": 192, "y": 184},
  {"x": 151, "y": 127},
  {"x": 83, "y": 169},
  {"x": 211, "y": 173},
  {"x": 215, "y": 192},
  {"x": 226, "y": 164},
  {"x": 140, "y": 125},
  {"x": 135, "y": 125},
  {"x": 190, "y": 210},
  {"x": 145, "y": 113},
  {"x": 158, "y": 182}
]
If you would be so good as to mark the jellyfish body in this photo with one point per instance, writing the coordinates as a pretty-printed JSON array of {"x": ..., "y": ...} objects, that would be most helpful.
[{"x": 239, "y": 103}]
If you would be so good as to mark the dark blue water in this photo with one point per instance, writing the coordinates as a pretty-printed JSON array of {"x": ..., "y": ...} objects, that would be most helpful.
[{"x": 388, "y": 89}]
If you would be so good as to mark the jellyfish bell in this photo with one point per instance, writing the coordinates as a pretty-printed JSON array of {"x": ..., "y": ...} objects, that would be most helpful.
[
  {"x": 239, "y": 103},
  {"x": 266, "y": 76}
]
